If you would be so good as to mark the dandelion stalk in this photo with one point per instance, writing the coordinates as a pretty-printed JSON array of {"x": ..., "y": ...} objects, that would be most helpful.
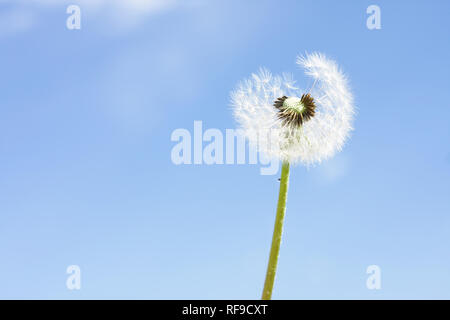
[{"x": 277, "y": 233}]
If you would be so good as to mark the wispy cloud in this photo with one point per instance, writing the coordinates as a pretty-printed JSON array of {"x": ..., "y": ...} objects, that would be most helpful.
[
  {"x": 333, "y": 169},
  {"x": 135, "y": 6},
  {"x": 15, "y": 20},
  {"x": 21, "y": 15}
]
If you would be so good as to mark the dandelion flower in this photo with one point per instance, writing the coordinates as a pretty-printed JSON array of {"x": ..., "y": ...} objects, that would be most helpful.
[{"x": 293, "y": 125}]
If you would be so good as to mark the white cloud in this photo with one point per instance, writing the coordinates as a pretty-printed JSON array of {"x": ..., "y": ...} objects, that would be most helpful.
[
  {"x": 119, "y": 15},
  {"x": 333, "y": 169},
  {"x": 135, "y": 6},
  {"x": 15, "y": 20},
  {"x": 145, "y": 6}
]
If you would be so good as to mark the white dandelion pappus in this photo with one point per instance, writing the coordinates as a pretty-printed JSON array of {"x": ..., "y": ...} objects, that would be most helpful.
[{"x": 313, "y": 137}]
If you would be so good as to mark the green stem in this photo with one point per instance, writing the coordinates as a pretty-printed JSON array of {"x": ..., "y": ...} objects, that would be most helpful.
[{"x": 277, "y": 233}]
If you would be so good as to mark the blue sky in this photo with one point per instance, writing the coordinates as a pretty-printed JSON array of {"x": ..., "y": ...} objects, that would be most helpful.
[{"x": 86, "y": 176}]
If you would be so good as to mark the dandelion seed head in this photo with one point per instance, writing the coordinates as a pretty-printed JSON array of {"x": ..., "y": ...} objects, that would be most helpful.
[{"x": 285, "y": 122}]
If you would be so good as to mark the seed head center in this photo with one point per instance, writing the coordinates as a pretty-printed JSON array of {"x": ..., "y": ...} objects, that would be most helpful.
[
  {"x": 294, "y": 104},
  {"x": 294, "y": 111}
]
